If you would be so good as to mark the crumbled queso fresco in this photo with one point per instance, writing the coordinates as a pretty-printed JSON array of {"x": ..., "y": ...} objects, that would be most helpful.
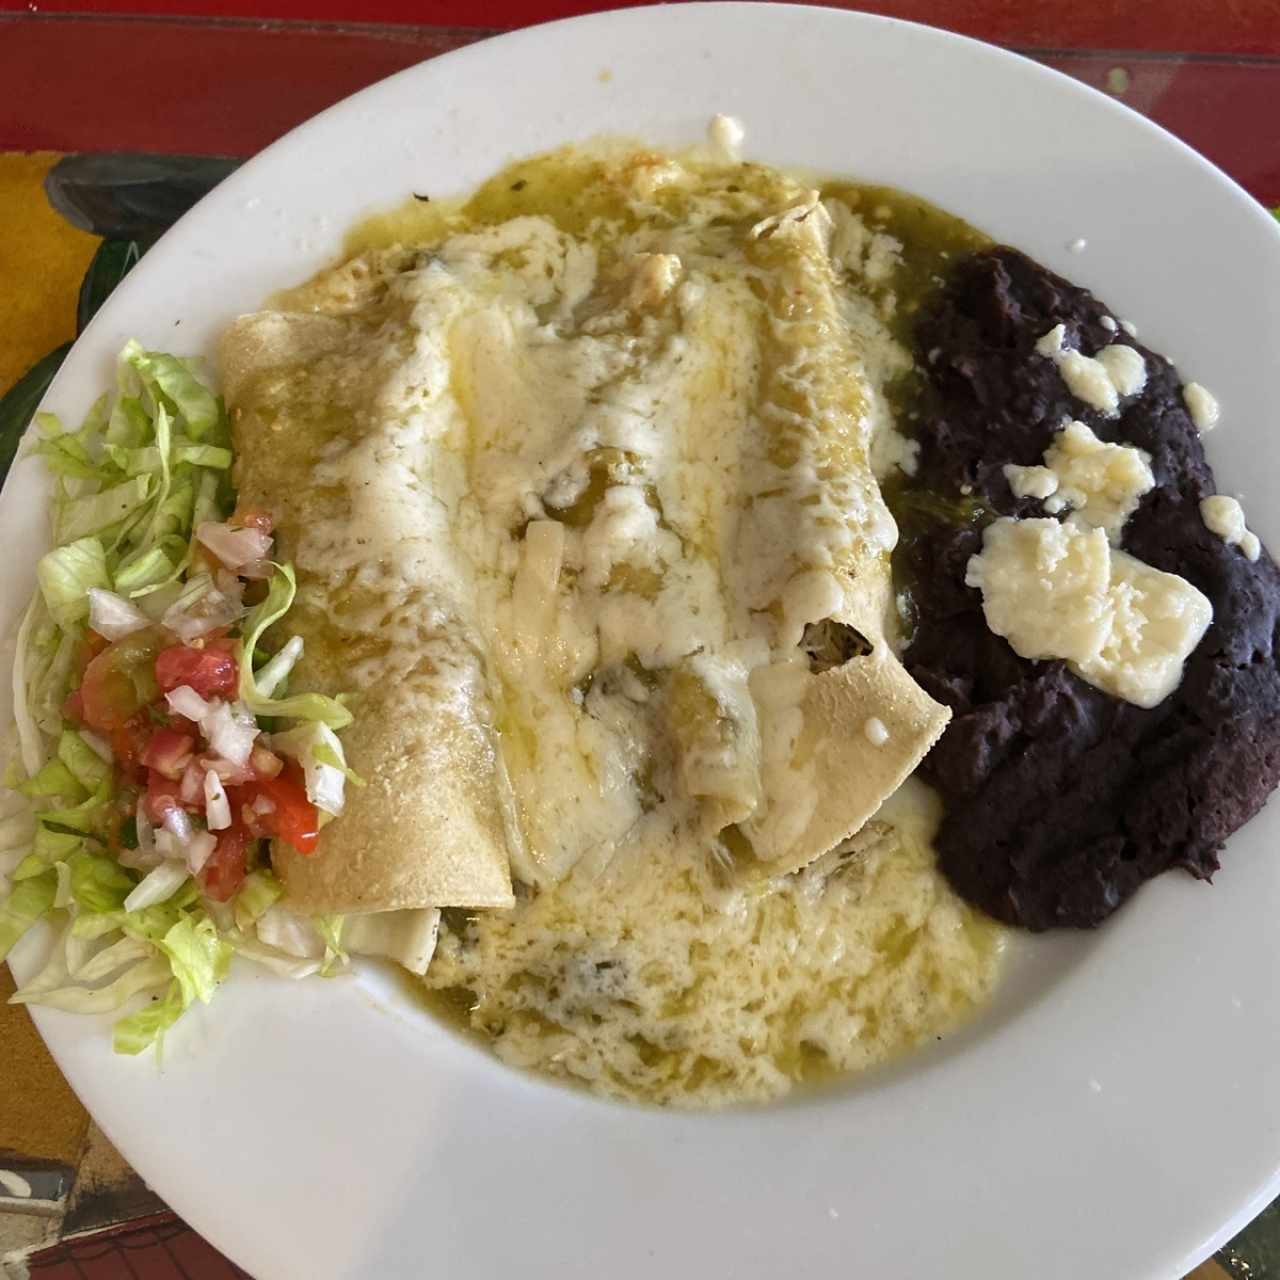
[
  {"x": 1225, "y": 517},
  {"x": 1100, "y": 381},
  {"x": 1103, "y": 482},
  {"x": 1202, "y": 405},
  {"x": 1065, "y": 590}
]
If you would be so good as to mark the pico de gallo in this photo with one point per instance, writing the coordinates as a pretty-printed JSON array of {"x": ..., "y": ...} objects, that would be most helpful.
[{"x": 158, "y": 749}]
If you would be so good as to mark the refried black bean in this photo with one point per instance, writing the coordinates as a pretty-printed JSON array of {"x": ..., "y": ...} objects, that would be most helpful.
[{"x": 1060, "y": 799}]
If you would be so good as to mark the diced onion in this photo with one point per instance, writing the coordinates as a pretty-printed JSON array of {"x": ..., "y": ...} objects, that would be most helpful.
[
  {"x": 192, "y": 783},
  {"x": 264, "y": 763},
  {"x": 234, "y": 547},
  {"x": 158, "y": 885},
  {"x": 178, "y": 824},
  {"x": 257, "y": 570},
  {"x": 326, "y": 788},
  {"x": 145, "y": 855},
  {"x": 156, "y": 602},
  {"x": 230, "y": 775},
  {"x": 217, "y": 808},
  {"x": 326, "y": 783},
  {"x": 140, "y": 859},
  {"x": 169, "y": 847},
  {"x": 185, "y": 701},
  {"x": 200, "y": 608},
  {"x": 112, "y": 616},
  {"x": 232, "y": 731},
  {"x": 202, "y": 845},
  {"x": 229, "y": 585},
  {"x": 263, "y": 804}
]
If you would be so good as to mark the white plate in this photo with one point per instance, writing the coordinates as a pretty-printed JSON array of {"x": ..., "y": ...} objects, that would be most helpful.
[{"x": 1117, "y": 1111}]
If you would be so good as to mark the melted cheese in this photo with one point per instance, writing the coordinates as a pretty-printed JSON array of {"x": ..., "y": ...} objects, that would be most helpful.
[
  {"x": 1100, "y": 381},
  {"x": 681, "y": 987},
  {"x": 1225, "y": 516},
  {"x": 1154, "y": 621},
  {"x": 599, "y": 469},
  {"x": 1103, "y": 483},
  {"x": 1059, "y": 590},
  {"x": 1044, "y": 587},
  {"x": 661, "y": 432}
]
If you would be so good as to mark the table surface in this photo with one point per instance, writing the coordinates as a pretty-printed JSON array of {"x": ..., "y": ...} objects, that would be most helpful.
[{"x": 228, "y": 78}]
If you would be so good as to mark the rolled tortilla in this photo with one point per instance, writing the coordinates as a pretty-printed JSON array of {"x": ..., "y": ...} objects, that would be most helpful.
[
  {"x": 350, "y": 458},
  {"x": 841, "y": 731},
  {"x": 623, "y": 493}
]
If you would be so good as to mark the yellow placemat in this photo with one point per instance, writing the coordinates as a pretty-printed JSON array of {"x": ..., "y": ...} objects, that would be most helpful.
[{"x": 42, "y": 261}]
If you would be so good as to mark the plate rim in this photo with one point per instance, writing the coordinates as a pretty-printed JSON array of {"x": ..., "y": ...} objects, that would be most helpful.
[{"x": 483, "y": 50}]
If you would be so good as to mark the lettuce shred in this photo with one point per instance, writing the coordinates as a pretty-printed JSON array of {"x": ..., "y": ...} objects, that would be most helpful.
[{"x": 130, "y": 486}]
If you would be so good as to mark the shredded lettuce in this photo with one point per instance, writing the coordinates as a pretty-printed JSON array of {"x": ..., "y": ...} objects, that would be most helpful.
[
  {"x": 282, "y": 963},
  {"x": 62, "y": 899},
  {"x": 26, "y": 666},
  {"x": 53, "y": 680},
  {"x": 166, "y": 378},
  {"x": 99, "y": 883},
  {"x": 79, "y": 997},
  {"x": 149, "y": 567},
  {"x": 82, "y": 819},
  {"x": 81, "y": 761},
  {"x": 329, "y": 927},
  {"x": 48, "y": 848},
  {"x": 147, "y": 923},
  {"x": 258, "y": 892},
  {"x": 198, "y": 957},
  {"x": 65, "y": 575},
  {"x": 137, "y": 475},
  {"x": 302, "y": 706},
  {"x": 290, "y": 932},
  {"x": 112, "y": 958},
  {"x": 105, "y": 510},
  {"x": 328, "y": 752},
  {"x": 30, "y": 900},
  {"x": 139, "y": 1031},
  {"x": 54, "y": 779}
]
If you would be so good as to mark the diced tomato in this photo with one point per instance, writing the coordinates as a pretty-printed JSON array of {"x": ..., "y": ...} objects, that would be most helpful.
[
  {"x": 251, "y": 519},
  {"x": 292, "y": 818},
  {"x": 119, "y": 682},
  {"x": 164, "y": 794},
  {"x": 92, "y": 645},
  {"x": 183, "y": 725},
  {"x": 168, "y": 752},
  {"x": 128, "y": 745},
  {"x": 211, "y": 671},
  {"x": 73, "y": 708},
  {"x": 224, "y": 873}
]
